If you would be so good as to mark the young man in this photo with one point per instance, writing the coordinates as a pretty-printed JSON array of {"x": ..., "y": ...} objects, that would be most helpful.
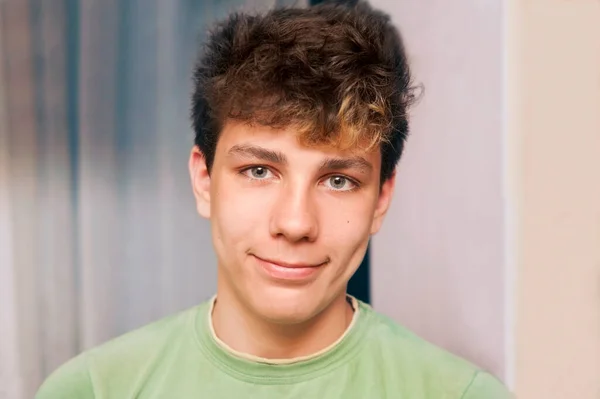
[{"x": 300, "y": 118}]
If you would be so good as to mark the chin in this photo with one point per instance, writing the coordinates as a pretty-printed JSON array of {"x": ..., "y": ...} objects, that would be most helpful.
[{"x": 287, "y": 305}]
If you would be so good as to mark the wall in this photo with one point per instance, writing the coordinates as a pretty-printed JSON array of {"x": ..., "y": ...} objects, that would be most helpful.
[
  {"x": 9, "y": 354},
  {"x": 438, "y": 263},
  {"x": 554, "y": 104}
]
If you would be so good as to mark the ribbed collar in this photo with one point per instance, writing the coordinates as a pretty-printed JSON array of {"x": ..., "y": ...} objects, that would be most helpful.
[{"x": 267, "y": 371}]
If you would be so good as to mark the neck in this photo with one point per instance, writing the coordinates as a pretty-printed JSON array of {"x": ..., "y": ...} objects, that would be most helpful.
[{"x": 240, "y": 330}]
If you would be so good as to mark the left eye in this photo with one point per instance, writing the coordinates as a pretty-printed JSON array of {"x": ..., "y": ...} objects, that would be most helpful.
[{"x": 339, "y": 183}]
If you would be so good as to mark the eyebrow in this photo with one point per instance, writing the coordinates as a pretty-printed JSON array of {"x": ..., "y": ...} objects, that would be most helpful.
[
  {"x": 272, "y": 156},
  {"x": 357, "y": 162},
  {"x": 251, "y": 151}
]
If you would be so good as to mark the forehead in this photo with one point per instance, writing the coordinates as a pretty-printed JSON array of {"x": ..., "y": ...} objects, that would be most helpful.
[{"x": 235, "y": 135}]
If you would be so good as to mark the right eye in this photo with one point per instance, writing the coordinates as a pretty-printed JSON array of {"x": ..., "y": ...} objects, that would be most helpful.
[{"x": 257, "y": 173}]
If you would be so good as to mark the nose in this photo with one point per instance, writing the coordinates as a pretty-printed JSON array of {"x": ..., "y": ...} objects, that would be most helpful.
[{"x": 295, "y": 216}]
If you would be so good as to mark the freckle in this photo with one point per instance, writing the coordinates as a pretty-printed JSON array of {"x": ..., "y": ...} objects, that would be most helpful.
[{"x": 348, "y": 221}]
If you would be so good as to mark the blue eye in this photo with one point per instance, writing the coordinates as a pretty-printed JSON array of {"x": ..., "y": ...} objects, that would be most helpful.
[
  {"x": 340, "y": 183},
  {"x": 258, "y": 173}
]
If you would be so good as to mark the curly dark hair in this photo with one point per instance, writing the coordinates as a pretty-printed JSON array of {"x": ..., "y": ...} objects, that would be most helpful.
[{"x": 336, "y": 73}]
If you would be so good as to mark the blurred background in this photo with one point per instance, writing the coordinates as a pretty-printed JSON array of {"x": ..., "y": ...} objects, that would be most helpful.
[{"x": 491, "y": 248}]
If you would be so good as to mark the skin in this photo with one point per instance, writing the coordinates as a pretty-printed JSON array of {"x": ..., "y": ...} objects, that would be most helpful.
[{"x": 290, "y": 226}]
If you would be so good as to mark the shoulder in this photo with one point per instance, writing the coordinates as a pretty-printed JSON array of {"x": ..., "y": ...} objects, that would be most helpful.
[
  {"x": 122, "y": 358},
  {"x": 146, "y": 342},
  {"x": 427, "y": 364},
  {"x": 71, "y": 380},
  {"x": 484, "y": 385}
]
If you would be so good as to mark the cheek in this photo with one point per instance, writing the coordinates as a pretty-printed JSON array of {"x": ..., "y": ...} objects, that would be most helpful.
[
  {"x": 351, "y": 213},
  {"x": 347, "y": 225},
  {"x": 236, "y": 214}
]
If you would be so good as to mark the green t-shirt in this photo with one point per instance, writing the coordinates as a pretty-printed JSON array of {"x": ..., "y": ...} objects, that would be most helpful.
[{"x": 179, "y": 357}]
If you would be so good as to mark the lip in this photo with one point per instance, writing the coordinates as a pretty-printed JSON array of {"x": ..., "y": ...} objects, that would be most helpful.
[{"x": 281, "y": 270}]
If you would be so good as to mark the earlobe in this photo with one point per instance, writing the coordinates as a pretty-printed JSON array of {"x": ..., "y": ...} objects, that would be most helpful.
[
  {"x": 200, "y": 181},
  {"x": 383, "y": 202}
]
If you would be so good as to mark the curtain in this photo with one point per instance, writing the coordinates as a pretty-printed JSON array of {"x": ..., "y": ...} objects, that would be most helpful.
[{"x": 99, "y": 233}]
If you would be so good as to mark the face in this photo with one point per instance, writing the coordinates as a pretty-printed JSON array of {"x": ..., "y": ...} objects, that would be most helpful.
[{"x": 290, "y": 224}]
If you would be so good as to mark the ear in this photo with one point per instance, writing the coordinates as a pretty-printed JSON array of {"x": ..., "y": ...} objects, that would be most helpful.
[
  {"x": 383, "y": 202},
  {"x": 200, "y": 181}
]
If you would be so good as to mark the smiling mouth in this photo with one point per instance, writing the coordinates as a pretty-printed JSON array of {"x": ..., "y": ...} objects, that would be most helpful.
[
  {"x": 290, "y": 265},
  {"x": 281, "y": 270}
]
